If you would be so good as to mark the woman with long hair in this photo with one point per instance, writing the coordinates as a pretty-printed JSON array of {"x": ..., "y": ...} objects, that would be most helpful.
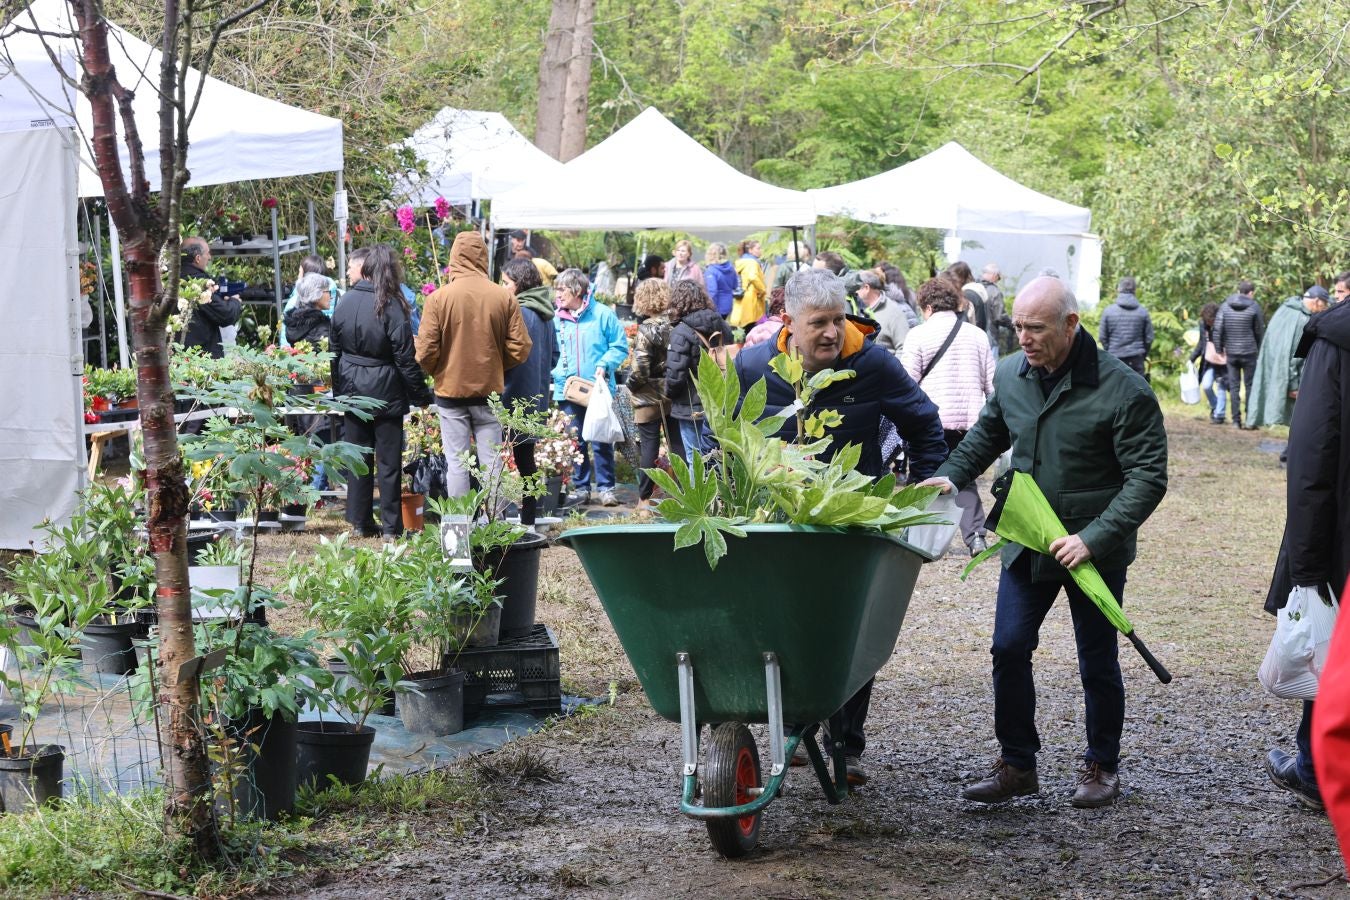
[
  {"x": 695, "y": 325},
  {"x": 372, "y": 342}
]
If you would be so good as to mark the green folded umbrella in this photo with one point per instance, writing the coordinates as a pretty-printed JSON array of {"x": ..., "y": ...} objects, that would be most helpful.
[{"x": 1022, "y": 515}]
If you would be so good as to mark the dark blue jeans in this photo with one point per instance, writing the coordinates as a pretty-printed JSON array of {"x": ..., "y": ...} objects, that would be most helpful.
[
  {"x": 1303, "y": 738},
  {"x": 1022, "y": 607}
]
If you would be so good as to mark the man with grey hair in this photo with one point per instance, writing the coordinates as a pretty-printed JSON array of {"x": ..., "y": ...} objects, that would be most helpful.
[
  {"x": 816, "y": 328},
  {"x": 891, "y": 323},
  {"x": 1089, "y": 430}
]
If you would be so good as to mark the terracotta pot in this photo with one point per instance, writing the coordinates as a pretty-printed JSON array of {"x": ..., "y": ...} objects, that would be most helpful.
[{"x": 414, "y": 506}]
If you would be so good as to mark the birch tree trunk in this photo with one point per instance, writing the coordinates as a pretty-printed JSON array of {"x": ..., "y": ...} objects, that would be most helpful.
[
  {"x": 576, "y": 106},
  {"x": 143, "y": 224}
]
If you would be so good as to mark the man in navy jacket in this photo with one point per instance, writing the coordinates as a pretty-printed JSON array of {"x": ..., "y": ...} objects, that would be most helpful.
[{"x": 816, "y": 326}]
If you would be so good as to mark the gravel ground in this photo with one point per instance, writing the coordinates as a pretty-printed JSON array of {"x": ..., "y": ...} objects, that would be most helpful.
[{"x": 1198, "y": 816}]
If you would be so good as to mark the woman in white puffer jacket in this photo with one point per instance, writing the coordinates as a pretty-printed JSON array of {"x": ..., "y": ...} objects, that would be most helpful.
[{"x": 958, "y": 379}]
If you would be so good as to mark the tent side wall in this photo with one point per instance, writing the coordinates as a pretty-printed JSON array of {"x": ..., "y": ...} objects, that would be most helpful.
[
  {"x": 42, "y": 458},
  {"x": 1021, "y": 256}
]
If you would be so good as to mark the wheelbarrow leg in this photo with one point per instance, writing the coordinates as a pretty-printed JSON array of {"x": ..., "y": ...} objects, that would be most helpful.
[
  {"x": 836, "y": 788},
  {"x": 688, "y": 722},
  {"x": 773, "y": 686}
]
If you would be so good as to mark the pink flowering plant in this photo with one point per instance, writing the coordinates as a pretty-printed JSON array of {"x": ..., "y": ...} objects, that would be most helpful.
[{"x": 559, "y": 450}]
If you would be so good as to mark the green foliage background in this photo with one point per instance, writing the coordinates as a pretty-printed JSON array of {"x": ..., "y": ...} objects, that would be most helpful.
[{"x": 1203, "y": 135}]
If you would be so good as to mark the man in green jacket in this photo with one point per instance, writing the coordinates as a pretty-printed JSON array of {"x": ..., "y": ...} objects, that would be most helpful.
[
  {"x": 1278, "y": 371},
  {"x": 1089, "y": 430}
]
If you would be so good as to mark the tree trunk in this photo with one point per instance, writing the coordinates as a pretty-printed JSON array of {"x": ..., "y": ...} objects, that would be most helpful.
[
  {"x": 577, "y": 105},
  {"x": 188, "y": 811},
  {"x": 553, "y": 65}
]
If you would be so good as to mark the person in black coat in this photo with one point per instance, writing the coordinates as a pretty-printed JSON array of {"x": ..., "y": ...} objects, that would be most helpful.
[
  {"x": 307, "y": 321},
  {"x": 695, "y": 325},
  {"x": 372, "y": 342},
  {"x": 207, "y": 319},
  {"x": 532, "y": 380},
  {"x": 1315, "y": 552}
]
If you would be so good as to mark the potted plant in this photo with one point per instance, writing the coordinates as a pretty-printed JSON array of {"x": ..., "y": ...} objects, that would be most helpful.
[
  {"x": 424, "y": 463},
  {"x": 502, "y": 550},
  {"x": 40, "y": 629},
  {"x": 338, "y": 750},
  {"x": 555, "y": 456}
]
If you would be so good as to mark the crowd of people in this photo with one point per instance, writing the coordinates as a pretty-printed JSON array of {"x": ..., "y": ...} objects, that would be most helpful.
[{"x": 1080, "y": 417}]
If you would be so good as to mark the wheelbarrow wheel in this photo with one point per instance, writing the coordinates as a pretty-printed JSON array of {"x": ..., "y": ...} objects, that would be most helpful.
[{"x": 732, "y": 770}]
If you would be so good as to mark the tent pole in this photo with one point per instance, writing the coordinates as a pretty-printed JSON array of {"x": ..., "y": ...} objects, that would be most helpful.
[
  {"x": 96, "y": 230},
  {"x": 313, "y": 237},
  {"x": 119, "y": 308},
  {"x": 340, "y": 217},
  {"x": 276, "y": 265}
]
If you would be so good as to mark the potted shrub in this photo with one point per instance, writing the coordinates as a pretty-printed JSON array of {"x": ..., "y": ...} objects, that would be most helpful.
[
  {"x": 555, "y": 456},
  {"x": 58, "y": 605},
  {"x": 338, "y": 750},
  {"x": 424, "y": 464}
]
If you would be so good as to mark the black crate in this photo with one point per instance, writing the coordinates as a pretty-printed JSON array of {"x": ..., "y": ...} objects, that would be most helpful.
[{"x": 520, "y": 673}]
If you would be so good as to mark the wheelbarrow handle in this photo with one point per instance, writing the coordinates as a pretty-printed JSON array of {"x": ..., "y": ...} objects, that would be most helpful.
[{"x": 1158, "y": 669}]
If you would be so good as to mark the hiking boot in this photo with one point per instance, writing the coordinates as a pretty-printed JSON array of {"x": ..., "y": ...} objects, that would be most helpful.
[
  {"x": 1283, "y": 770},
  {"x": 607, "y": 498},
  {"x": 1003, "y": 782},
  {"x": 978, "y": 546},
  {"x": 853, "y": 771},
  {"x": 1096, "y": 787}
]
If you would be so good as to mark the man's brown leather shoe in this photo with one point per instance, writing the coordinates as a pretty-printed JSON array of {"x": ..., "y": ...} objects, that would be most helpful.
[
  {"x": 1003, "y": 782},
  {"x": 1096, "y": 787}
]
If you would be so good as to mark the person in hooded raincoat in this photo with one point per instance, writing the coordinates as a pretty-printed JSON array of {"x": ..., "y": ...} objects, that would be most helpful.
[{"x": 1278, "y": 370}]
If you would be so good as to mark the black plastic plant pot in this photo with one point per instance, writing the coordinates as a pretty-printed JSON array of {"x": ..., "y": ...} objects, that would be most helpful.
[
  {"x": 328, "y": 750},
  {"x": 107, "y": 648},
  {"x": 295, "y": 509},
  {"x": 265, "y": 788},
  {"x": 475, "y": 696},
  {"x": 518, "y": 566},
  {"x": 31, "y": 777},
  {"x": 201, "y": 538},
  {"x": 438, "y": 708},
  {"x": 222, "y": 515},
  {"x": 269, "y": 515}
]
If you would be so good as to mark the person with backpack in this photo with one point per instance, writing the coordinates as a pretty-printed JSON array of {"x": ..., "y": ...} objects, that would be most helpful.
[
  {"x": 1126, "y": 330},
  {"x": 1238, "y": 330},
  {"x": 1213, "y": 365},
  {"x": 695, "y": 325}
]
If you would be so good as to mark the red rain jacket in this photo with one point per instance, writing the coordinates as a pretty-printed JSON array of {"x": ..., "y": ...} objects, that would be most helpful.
[{"x": 1331, "y": 730}]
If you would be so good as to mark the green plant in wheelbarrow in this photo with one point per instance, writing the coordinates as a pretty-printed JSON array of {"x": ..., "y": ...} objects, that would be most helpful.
[{"x": 797, "y": 601}]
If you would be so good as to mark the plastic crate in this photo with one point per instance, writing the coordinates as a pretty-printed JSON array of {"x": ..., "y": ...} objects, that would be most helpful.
[{"x": 520, "y": 673}]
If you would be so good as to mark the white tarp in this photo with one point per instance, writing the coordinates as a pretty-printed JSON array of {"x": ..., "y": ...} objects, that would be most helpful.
[
  {"x": 947, "y": 189},
  {"x": 42, "y": 457},
  {"x": 235, "y": 136},
  {"x": 649, "y": 174},
  {"x": 470, "y": 155}
]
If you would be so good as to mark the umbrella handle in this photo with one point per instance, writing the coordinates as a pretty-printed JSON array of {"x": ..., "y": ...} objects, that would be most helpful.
[{"x": 1163, "y": 675}]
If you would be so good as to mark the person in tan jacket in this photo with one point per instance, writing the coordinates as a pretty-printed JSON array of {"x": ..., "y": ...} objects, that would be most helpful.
[{"x": 471, "y": 333}]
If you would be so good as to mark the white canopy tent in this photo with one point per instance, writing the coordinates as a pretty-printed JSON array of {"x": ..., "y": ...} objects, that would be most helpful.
[
  {"x": 41, "y": 428},
  {"x": 987, "y": 215},
  {"x": 470, "y": 155},
  {"x": 611, "y": 187},
  {"x": 234, "y": 136}
]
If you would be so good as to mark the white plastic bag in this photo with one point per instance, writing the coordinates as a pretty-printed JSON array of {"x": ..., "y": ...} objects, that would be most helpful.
[
  {"x": 602, "y": 425},
  {"x": 1299, "y": 648},
  {"x": 1190, "y": 385},
  {"x": 933, "y": 540}
]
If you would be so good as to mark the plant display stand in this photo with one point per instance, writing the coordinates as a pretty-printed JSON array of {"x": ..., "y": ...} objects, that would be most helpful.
[{"x": 518, "y": 673}]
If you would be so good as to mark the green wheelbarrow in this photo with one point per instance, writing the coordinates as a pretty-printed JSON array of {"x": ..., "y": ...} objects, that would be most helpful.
[{"x": 794, "y": 620}]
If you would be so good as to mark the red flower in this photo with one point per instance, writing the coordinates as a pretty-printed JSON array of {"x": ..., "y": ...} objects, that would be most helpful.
[{"x": 270, "y": 203}]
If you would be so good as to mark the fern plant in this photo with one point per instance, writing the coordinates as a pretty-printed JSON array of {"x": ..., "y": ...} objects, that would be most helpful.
[{"x": 755, "y": 477}]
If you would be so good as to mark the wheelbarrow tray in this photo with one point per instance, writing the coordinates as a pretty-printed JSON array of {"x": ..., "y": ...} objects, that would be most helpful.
[{"x": 828, "y": 602}]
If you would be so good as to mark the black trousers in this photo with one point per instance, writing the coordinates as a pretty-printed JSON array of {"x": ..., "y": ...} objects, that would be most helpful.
[
  {"x": 1241, "y": 371},
  {"x": 383, "y": 439},
  {"x": 523, "y": 452},
  {"x": 649, "y": 436}
]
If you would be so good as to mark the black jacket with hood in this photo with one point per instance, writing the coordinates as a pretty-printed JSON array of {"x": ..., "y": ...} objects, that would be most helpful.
[
  {"x": 1239, "y": 327},
  {"x": 374, "y": 354},
  {"x": 683, "y": 355},
  {"x": 1316, "y": 546},
  {"x": 1126, "y": 330}
]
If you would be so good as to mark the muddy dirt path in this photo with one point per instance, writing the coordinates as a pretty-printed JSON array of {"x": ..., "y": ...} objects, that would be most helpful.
[{"x": 1198, "y": 818}]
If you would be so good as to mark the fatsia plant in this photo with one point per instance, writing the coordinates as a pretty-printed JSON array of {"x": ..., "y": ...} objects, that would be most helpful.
[{"x": 757, "y": 477}]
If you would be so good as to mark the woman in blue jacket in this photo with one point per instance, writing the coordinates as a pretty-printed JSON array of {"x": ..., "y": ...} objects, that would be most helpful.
[
  {"x": 592, "y": 345},
  {"x": 720, "y": 278}
]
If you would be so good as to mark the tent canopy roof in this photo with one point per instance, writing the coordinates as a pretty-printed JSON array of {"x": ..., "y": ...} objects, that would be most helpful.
[
  {"x": 951, "y": 189},
  {"x": 235, "y": 135},
  {"x": 610, "y": 187},
  {"x": 471, "y": 155}
]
